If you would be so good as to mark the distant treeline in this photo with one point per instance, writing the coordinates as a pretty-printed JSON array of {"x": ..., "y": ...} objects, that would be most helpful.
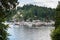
[{"x": 33, "y": 12}]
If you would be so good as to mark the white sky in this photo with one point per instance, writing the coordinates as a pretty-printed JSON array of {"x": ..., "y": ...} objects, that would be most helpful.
[{"x": 46, "y": 3}]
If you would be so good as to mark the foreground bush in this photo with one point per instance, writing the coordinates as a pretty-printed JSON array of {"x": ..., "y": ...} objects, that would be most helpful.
[{"x": 55, "y": 35}]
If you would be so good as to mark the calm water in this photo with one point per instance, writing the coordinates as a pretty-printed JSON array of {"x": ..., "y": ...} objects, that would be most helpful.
[{"x": 24, "y": 33}]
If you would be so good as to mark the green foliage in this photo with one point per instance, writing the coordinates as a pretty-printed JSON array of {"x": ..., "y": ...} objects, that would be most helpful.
[
  {"x": 36, "y": 12},
  {"x": 57, "y": 18},
  {"x": 57, "y": 22},
  {"x": 56, "y": 34},
  {"x": 3, "y": 33},
  {"x": 10, "y": 14},
  {"x": 5, "y": 7}
]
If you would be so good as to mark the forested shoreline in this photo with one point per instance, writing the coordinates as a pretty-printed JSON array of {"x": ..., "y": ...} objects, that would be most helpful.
[{"x": 33, "y": 12}]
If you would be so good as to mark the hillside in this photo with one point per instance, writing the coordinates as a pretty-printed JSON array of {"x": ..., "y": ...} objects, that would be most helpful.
[{"x": 33, "y": 12}]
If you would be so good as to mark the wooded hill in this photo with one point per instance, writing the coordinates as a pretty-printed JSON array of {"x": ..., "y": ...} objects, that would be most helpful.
[{"x": 33, "y": 12}]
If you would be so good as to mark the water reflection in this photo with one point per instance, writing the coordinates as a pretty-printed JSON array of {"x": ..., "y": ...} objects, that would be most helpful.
[{"x": 24, "y": 33}]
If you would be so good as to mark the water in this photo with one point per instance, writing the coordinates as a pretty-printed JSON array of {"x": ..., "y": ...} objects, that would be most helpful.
[{"x": 25, "y": 33}]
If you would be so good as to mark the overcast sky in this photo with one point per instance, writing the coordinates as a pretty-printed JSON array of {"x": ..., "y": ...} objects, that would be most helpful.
[{"x": 46, "y": 3}]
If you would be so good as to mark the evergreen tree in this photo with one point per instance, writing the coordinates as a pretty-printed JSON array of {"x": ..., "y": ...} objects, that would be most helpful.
[
  {"x": 56, "y": 32},
  {"x": 57, "y": 22},
  {"x": 5, "y": 6}
]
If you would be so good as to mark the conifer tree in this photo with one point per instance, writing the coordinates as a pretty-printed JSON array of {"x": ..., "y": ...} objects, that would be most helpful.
[
  {"x": 57, "y": 18},
  {"x": 5, "y": 6}
]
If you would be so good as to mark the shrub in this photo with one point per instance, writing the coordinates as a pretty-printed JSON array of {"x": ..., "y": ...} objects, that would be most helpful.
[{"x": 55, "y": 35}]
